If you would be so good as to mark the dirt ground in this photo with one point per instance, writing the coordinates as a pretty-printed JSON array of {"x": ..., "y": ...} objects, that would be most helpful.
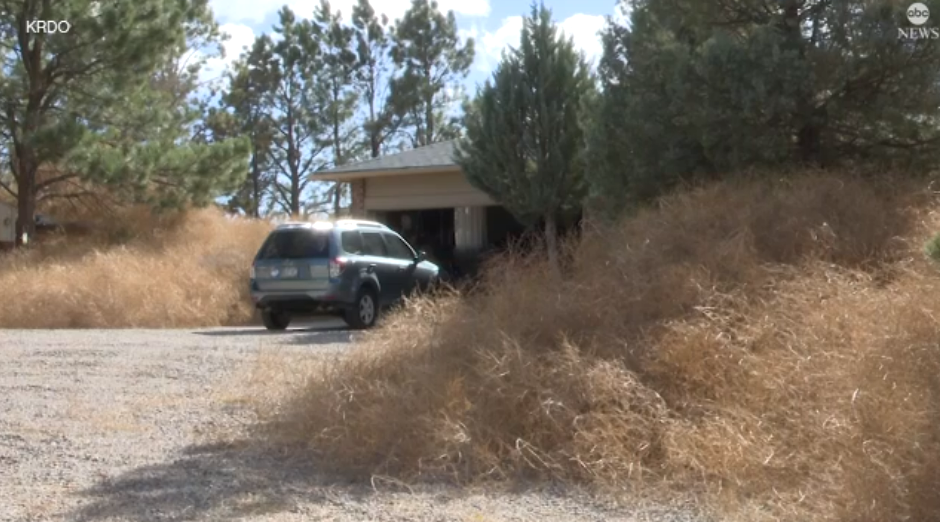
[{"x": 108, "y": 425}]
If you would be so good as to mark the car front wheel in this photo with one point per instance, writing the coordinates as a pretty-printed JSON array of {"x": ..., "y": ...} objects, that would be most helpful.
[
  {"x": 364, "y": 312},
  {"x": 275, "y": 320}
]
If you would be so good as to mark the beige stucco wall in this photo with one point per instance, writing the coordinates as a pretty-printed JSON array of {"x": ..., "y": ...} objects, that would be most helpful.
[{"x": 422, "y": 191}]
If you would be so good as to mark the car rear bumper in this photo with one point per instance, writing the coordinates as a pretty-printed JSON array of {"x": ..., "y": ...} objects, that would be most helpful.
[{"x": 302, "y": 302}]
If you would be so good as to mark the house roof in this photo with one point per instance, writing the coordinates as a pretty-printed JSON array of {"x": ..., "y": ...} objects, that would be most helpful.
[{"x": 437, "y": 156}]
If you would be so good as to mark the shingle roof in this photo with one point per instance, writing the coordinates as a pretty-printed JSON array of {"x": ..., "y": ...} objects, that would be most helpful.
[{"x": 434, "y": 155}]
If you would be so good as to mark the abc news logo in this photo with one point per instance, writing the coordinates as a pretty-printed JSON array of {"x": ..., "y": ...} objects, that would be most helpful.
[
  {"x": 918, "y": 14},
  {"x": 47, "y": 27}
]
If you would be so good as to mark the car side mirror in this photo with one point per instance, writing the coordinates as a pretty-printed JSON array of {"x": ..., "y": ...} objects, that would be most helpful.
[{"x": 422, "y": 256}]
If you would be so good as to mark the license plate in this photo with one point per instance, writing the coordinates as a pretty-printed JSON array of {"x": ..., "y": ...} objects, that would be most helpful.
[{"x": 290, "y": 271}]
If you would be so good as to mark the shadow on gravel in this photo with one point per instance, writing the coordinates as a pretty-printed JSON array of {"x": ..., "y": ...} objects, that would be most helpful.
[
  {"x": 312, "y": 335},
  {"x": 322, "y": 337},
  {"x": 214, "y": 481}
]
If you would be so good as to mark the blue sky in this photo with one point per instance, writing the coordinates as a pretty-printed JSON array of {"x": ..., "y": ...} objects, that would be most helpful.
[{"x": 494, "y": 24}]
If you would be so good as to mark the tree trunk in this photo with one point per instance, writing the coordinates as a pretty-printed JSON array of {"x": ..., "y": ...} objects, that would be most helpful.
[
  {"x": 25, "y": 203},
  {"x": 255, "y": 187},
  {"x": 293, "y": 161},
  {"x": 809, "y": 140},
  {"x": 429, "y": 122},
  {"x": 338, "y": 158},
  {"x": 295, "y": 192},
  {"x": 429, "y": 128},
  {"x": 294, "y": 166},
  {"x": 551, "y": 243},
  {"x": 337, "y": 198},
  {"x": 375, "y": 145}
]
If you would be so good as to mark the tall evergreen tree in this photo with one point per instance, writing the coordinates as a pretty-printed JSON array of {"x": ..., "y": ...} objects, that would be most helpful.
[
  {"x": 696, "y": 89},
  {"x": 86, "y": 103},
  {"x": 524, "y": 143},
  {"x": 434, "y": 63},
  {"x": 244, "y": 113},
  {"x": 335, "y": 77},
  {"x": 373, "y": 76},
  {"x": 295, "y": 104}
]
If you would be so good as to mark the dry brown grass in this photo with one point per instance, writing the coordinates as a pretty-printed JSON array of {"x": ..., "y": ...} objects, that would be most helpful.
[
  {"x": 136, "y": 270},
  {"x": 774, "y": 345}
]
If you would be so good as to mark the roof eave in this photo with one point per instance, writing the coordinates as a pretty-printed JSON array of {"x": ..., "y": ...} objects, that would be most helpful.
[{"x": 352, "y": 175}]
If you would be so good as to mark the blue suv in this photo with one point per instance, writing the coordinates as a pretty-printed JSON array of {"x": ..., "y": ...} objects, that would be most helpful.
[{"x": 350, "y": 268}]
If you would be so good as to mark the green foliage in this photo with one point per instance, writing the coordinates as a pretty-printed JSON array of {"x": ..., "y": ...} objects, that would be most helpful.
[
  {"x": 325, "y": 93},
  {"x": 338, "y": 65},
  {"x": 243, "y": 113},
  {"x": 111, "y": 101},
  {"x": 524, "y": 143},
  {"x": 433, "y": 63},
  {"x": 697, "y": 89},
  {"x": 294, "y": 102},
  {"x": 374, "y": 69},
  {"x": 932, "y": 249}
]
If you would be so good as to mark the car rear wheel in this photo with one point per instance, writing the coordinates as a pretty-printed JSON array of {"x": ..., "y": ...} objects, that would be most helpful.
[
  {"x": 275, "y": 320},
  {"x": 364, "y": 312}
]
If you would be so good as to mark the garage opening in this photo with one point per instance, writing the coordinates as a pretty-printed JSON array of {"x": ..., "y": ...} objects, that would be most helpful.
[{"x": 431, "y": 230}]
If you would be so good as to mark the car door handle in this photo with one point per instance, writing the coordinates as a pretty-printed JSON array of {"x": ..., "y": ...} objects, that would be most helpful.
[
  {"x": 370, "y": 268},
  {"x": 402, "y": 268}
]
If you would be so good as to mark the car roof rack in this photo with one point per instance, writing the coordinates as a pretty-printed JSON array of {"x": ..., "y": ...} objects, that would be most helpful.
[
  {"x": 360, "y": 223},
  {"x": 343, "y": 223}
]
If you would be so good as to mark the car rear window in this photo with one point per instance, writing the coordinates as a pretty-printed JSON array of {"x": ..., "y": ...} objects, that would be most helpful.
[
  {"x": 296, "y": 244},
  {"x": 352, "y": 242}
]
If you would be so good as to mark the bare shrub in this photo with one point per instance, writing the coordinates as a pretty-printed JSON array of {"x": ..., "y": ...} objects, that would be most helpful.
[
  {"x": 135, "y": 270},
  {"x": 772, "y": 344}
]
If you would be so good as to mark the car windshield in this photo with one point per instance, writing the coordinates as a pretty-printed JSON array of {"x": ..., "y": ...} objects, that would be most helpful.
[{"x": 296, "y": 244}]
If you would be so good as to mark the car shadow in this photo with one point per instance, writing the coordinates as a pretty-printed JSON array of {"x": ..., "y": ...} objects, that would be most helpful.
[
  {"x": 222, "y": 481},
  {"x": 311, "y": 333}
]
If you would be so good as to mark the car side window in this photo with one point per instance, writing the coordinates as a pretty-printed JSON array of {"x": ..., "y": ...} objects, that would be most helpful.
[
  {"x": 352, "y": 242},
  {"x": 398, "y": 249},
  {"x": 373, "y": 245}
]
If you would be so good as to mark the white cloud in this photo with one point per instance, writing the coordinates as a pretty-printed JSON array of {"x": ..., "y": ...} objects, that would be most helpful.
[
  {"x": 583, "y": 29},
  {"x": 240, "y": 37},
  {"x": 255, "y": 11},
  {"x": 621, "y": 14},
  {"x": 490, "y": 45}
]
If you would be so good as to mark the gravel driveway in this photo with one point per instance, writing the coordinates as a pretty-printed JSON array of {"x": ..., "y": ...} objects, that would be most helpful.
[{"x": 107, "y": 425}]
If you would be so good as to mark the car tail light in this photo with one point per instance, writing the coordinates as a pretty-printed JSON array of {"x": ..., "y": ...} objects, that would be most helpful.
[{"x": 337, "y": 266}]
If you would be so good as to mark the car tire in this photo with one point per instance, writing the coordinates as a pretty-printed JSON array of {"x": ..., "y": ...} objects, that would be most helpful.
[
  {"x": 275, "y": 320},
  {"x": 364, "y": 312}
]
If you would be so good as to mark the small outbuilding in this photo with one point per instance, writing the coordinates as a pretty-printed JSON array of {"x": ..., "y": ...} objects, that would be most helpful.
[{"x": 423, "y": 194}]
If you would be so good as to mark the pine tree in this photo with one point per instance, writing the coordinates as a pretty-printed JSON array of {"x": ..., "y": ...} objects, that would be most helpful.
[
  {"x": 696, "y": 89},
  {"x": 243, "y": 113},
  {"x": 89, "y": 103},
  {"x": 433, "y": 65},
  {"x": 524, "y": 143},
  {"x": 335, "y": 76},
  {"x": 374, "y": 70},
  {"x": 295, "y": 104}
]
